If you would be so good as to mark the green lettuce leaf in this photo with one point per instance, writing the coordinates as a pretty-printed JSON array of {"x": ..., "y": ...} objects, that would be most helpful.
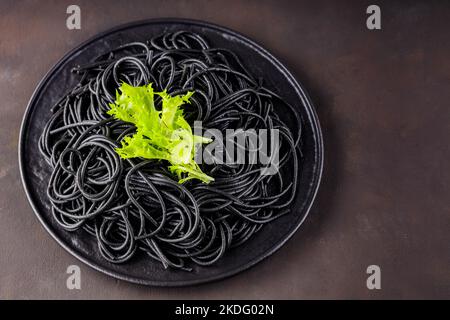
[{"x": 163, "y": 135}]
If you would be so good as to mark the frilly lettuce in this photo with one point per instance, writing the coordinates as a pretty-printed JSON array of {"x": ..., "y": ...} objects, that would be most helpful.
[{"x": 164, "y": 134}]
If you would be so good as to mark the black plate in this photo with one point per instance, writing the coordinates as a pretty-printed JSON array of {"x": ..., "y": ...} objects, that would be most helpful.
[{"x": 35, "y": 171}]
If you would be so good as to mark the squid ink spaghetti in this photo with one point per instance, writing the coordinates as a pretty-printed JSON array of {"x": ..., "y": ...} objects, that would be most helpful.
[{"x": 136, "y": 206}]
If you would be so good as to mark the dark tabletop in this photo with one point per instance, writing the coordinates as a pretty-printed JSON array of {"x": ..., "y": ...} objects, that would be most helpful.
[{"x": 383, "y": 101}]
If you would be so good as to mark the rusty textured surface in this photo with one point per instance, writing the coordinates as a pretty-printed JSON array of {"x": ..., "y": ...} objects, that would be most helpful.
[{"x": 382, "y": 98}]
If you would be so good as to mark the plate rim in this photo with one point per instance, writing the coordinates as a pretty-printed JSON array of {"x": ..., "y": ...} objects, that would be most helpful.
[{"x": 306, "y": 101}]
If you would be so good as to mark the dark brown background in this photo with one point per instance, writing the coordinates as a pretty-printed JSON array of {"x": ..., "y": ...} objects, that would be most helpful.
[{"x": 383, "y": 101}]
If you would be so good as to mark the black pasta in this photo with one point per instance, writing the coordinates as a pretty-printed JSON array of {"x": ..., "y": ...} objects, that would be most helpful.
[{"x": 136, "y": 205}]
